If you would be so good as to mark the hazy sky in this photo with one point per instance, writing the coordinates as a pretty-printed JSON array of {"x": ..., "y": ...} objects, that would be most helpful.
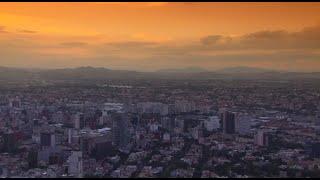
[{"x": 149, "y": 36}]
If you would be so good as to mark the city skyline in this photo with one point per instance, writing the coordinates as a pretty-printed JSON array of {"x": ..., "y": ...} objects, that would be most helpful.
[
  {"x": 159, "y": 90},
  {"x": 152, "y": 36}
]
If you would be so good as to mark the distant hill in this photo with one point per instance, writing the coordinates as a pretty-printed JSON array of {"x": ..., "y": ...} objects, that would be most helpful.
[
  {"x": 93, "y": 73},
  {"x": 244, "y": 69},
  {"x": 87, "y": 73},
  {"x": 183, "y": 70},
  {"x": 8, "y": 73}
]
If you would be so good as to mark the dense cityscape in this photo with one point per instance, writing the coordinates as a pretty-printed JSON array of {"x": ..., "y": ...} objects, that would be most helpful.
[
  {"x": 160, "y": 128},
  {"x": 159, "y": 90}
]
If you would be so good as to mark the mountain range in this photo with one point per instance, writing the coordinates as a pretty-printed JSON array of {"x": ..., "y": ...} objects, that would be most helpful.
[{"x": 99, "y": 73}]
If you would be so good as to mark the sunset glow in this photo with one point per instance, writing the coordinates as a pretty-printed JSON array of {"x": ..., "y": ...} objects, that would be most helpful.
[{"x": 151, "y": 36}]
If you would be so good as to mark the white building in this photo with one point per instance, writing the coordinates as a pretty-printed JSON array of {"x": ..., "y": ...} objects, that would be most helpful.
[
  {"x": 183, "y": 106},
  {"x": 153, "y": 108},
  {"x": 75, "y": 166},
  {"x": 261, "y": 138},
  {"x": 196, "y": 132},
  {"x": 58, "y": 117},
  {"x": 317, "y": 118},
  {"x": 179, "y": 125},
  {"x": 243, "y": 124},
  {"x": 154, "y": 127},
  {"x": 78, "y": 121},
  {"x": 69, "y": 136},
  {"x": 117, "y": 107},
  {"x": 212, "y": 123},
  {"x": 166, "y": 137}
]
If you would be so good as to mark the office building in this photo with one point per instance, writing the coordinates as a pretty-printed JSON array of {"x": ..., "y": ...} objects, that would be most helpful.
[
  {"x": 212, "y": 123},
  {"x": 75, "y": 164},
  {"x": 120, "y": 132},
  {"x": 228, "y": 122},
  {"x": 261, "y": 138},
  {"x": 243, "y": 124},
  {"x": 79, "y": 121},
  {"x": 47, "y": 139}
]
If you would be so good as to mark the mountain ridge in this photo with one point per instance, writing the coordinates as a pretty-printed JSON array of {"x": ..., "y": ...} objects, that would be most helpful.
[{"x": 101, "y": 73}]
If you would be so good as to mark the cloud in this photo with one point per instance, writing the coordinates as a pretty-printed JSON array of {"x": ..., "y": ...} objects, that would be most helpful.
[
  {"x": 147, "y": 4},
  {"x": 74, "y": 44},
  {"x": 266, "y": 35},
  {"x": 212, "y": 39},
  {"x": 269, "y": 49},
  {"x": 265, "y": 43},
  {"x": 26, "y": 31},
  {"x": 2, "y": 29},
  {"x": 308, "y": 38},
  {"x": 130, "y": 44}
]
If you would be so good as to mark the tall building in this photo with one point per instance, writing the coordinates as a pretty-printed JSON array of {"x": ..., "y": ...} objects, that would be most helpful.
[
  {"x": 153, "y": 108},
  {"x": 141, "y": 142},
  {"x": 221, "y": 113},
  {"x": 234, "y": 122},
  {"x": 47, "y": 139},
  {"x": 168, "y": 123},
  {"x": 317, "y": 118},
  {"x": 79, "y": 121},
  {"x": 75, "y": 164},
  {"x": 228, "y": 122},
  {"x": 32, "y": 158},
  {"x": 166, "y": 137},
  {"x": 212, "y": 123},
  {"x": 96, "y": 143},
  {"x": 3, "y": 170},
  {"x": 15, "y": 102},
  {"x": 183, "y": 106},
  {"x": 261, "y": 138},
  {"x": 179, "y": 125},
  {"x": 120, "y": 130},
  {"x": 243, "y": 124},
  {"x": 197, "y": 132},
  {"x": 69, "y": 136},
  {"x": 315, "y": 150},
  {"x": 9, "y": 143}
]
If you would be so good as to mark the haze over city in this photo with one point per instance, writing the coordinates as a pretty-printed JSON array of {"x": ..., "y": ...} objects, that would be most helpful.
[
  {"x": 149, "y": 36},
  {"x": 159, "y": 90}
]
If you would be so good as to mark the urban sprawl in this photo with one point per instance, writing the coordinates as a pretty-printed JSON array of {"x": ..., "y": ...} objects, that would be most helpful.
[{"x": 160, "y": 128}]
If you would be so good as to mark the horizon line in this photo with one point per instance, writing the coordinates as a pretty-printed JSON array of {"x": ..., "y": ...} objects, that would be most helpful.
[{"x": 161, "y": 69}]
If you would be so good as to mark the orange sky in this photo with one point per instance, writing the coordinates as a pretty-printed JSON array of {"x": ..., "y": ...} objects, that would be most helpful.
[{"x": 150, "y": 36}]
